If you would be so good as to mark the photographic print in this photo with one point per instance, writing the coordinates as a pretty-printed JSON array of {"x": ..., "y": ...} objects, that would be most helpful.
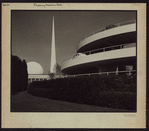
[
  {"x": 66, "y": 62},
  {"x": 83, "y": 57}
]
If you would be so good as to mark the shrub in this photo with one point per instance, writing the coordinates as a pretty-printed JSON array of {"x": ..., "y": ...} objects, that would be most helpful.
[{"x": 110, "y": 91}]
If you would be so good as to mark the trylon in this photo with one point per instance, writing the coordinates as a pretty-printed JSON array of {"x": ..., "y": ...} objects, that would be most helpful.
[{"x": 53, "y": 52}]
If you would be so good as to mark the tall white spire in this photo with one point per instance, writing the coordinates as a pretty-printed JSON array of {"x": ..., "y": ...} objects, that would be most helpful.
[{"x": 53, "y": 52}]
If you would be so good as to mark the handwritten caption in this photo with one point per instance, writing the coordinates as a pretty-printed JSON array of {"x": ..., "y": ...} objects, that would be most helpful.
[{"x": 45, "y": 5}]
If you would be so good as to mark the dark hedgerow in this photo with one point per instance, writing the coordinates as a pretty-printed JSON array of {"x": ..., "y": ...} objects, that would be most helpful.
[{"x": 101, "y": 90}]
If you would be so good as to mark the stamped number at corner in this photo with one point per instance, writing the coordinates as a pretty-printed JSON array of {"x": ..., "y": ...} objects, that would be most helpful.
[{"x": 5, "y": 4}]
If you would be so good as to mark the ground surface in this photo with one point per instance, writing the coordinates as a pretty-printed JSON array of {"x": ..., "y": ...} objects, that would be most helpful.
[{"x": 24, "y": 102}]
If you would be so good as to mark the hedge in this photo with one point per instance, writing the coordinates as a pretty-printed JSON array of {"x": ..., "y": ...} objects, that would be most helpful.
[{"x": 110, "y": 91}]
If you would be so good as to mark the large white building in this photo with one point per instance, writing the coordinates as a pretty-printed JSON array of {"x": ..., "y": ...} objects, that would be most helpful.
[
  {"x": 35, "y": 72},
  {"x": 107, "y": 50}
]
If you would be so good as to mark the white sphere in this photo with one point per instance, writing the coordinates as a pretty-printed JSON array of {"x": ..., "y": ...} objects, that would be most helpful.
[{"x": 34, "y": 68}]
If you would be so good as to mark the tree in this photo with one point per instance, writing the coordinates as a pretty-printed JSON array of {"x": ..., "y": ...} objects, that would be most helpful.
[
  {"x": 19, "y": 75},
  {"x": 57, "y": 69},
  {"x": 24, "y": 75}
]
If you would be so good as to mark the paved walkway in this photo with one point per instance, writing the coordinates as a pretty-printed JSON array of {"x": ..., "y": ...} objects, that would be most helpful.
[{"x": 24, "y": 102}]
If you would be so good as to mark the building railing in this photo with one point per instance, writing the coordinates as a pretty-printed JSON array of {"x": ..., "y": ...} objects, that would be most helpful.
[
  {"x": 30, "y": 80},
  {"x": 99, "y": 50},
  {"x": 108, "y": 27},
  {"x": 101, "y": 73},
  {"x": 106, "y": 49}
]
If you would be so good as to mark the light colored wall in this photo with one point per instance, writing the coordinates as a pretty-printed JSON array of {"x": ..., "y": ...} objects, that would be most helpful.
[
  {"x": 108, "y": 55},
  {"x": 107, "y": 33},
  {"x": 38, "y": 76},
  {"x": 32, "y": 78}
]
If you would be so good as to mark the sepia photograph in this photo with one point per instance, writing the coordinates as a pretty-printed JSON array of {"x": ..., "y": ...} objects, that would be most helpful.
[
  {"x": 73, "y": 61},
  {"x": 72, "y": 64}
]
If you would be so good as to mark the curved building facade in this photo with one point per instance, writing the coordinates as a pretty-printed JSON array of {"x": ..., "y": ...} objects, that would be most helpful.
[{"x": 110, "y": 49}]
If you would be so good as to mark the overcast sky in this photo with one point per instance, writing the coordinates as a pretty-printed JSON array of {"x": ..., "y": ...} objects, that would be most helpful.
[{"x": 31, "y": 32}]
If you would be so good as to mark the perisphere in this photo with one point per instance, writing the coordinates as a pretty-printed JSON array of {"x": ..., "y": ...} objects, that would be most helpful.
[{"x": 34, "y": 68}]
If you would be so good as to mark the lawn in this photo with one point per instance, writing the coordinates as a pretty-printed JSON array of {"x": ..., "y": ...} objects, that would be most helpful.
[{"x": 24, "y": 102}]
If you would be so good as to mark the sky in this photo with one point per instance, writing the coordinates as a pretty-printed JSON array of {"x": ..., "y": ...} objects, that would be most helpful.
[{"x": 31, "y": 32}]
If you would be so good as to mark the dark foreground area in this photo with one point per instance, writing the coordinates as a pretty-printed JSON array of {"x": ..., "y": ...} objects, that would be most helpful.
[
  {"x": 113, "y": 91},
  {"x": 24, "y": 102}
]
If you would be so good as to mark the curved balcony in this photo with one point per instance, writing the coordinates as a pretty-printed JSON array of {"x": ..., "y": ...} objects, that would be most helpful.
[
  {"x": 91, "y": 63},
  {"x": 110, "y": 35}
]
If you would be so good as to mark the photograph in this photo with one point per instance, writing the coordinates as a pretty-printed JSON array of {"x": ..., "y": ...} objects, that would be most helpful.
[
  {"x": 73, "y": 61},
  {"x": 72, "y": 65}
]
